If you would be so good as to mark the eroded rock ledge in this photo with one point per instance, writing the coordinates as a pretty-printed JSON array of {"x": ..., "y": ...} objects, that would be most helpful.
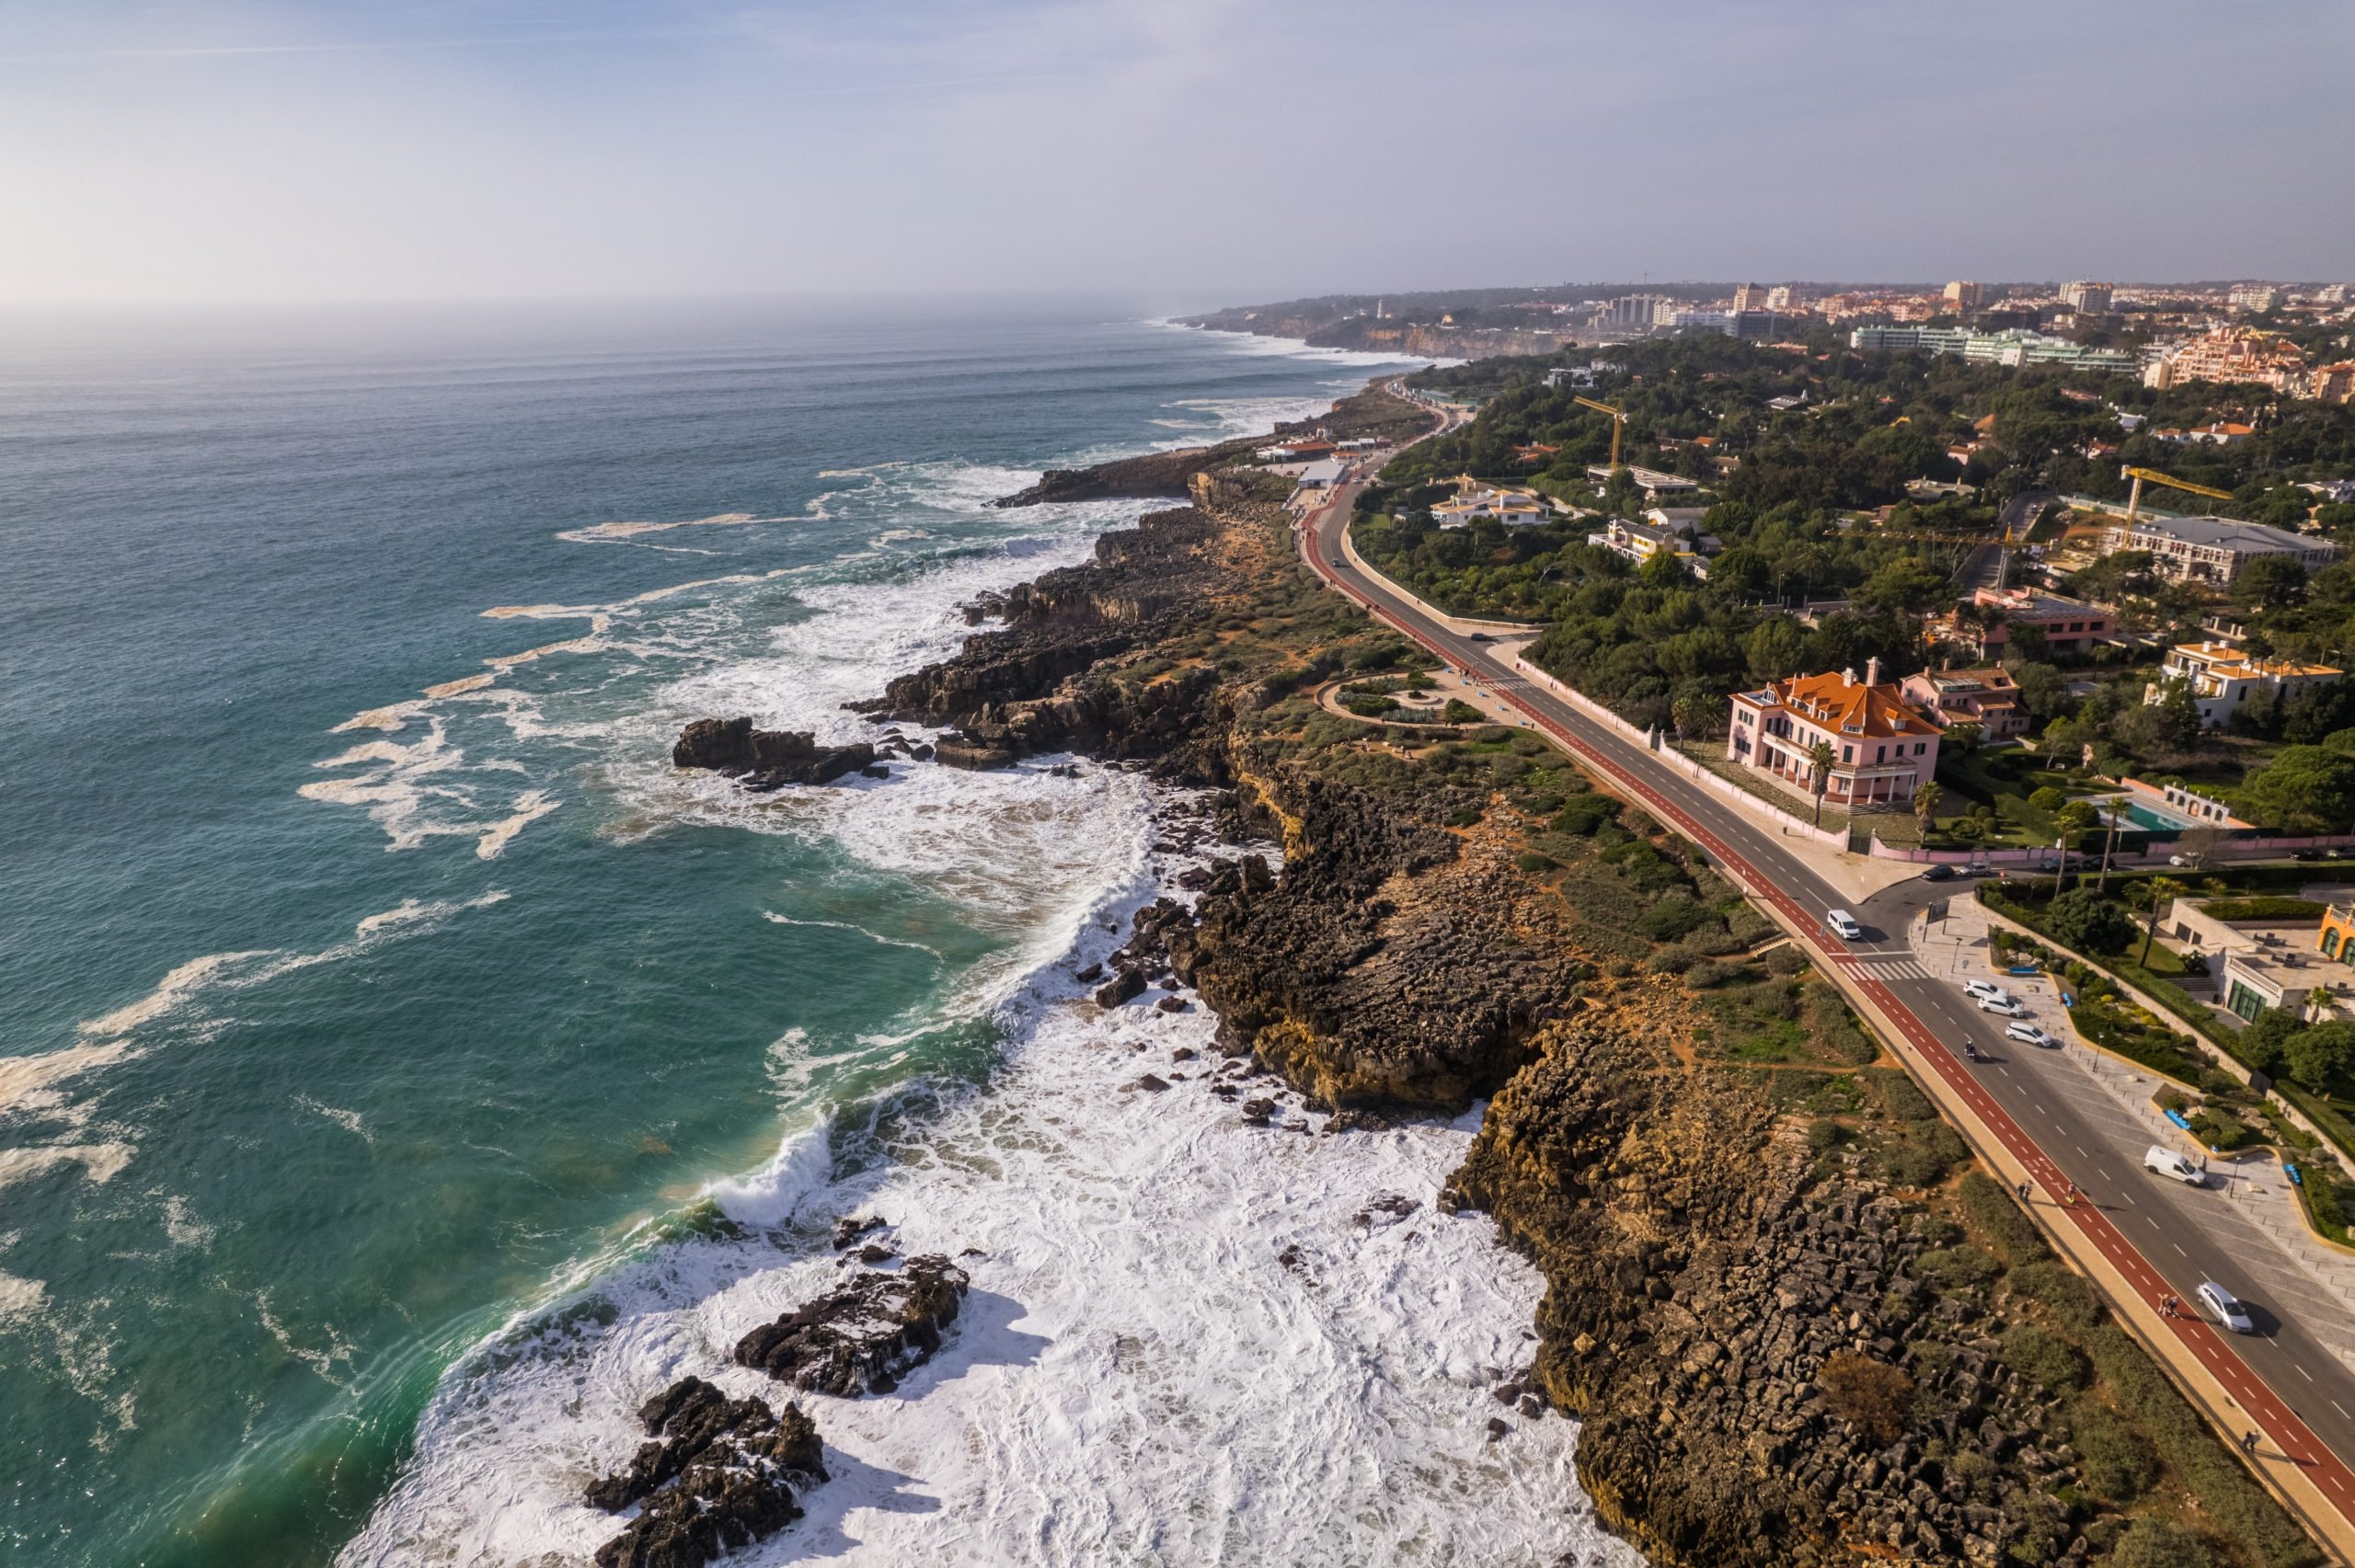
[
  {"x": 717, "y": 1476},
  {"x": 863, "y": 1336}
]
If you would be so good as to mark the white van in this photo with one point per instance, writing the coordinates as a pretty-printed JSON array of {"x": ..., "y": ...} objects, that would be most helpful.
[
  {"x": 2168, "y": 1163},
  {"x": 1844, "y": 925}
]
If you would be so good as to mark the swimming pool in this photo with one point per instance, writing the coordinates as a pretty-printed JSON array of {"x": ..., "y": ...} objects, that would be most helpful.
[{"x": 2140, "y": 814}]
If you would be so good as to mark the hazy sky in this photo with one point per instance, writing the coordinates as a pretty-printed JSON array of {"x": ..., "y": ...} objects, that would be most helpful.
[{"x": 1182, "y": 151}]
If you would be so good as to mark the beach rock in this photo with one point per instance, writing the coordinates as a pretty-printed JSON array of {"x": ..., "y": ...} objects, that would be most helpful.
[
  {"x": 863, "y": 1335},
  {"x": 850, "y": 1228},
  {"x": 1174, "y": 1004},
  {"x": 1151, "y": 1084},
  {"x": 715, "y": 1479},
  {"x": 765, "y": 758},
  {"x": 1126, "y": 986}
]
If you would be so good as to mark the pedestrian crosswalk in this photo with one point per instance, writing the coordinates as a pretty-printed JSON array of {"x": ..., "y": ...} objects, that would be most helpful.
[{"x": 1895, "y": 965}]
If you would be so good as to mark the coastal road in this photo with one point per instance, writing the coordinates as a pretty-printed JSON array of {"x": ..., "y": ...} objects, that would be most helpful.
[{"x": 2294, "y": 1393}]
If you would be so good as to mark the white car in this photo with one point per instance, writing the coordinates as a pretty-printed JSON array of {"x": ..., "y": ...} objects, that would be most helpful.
[
  {"x": 2029, "y": 1034},
  {"x": 1986, "y": 990},
  {"x": 2227, "y": 1306},
  {"x": 2008, "y": 1007},
  {"x": 2163, "y": 1160}
]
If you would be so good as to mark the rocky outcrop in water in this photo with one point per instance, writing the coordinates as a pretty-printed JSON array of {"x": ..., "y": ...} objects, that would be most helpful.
[
  {"x": 718, "y": 1476},
  {"x": 765, "y": 758},
  {"x": 1152, "y": 474},
  {"x": 863, "y": 1336}
]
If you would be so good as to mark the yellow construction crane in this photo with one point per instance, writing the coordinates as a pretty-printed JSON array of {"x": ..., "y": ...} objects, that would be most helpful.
[
  {"x": 1618, "y": 423},
  {"x": 2134, "y": 496}
]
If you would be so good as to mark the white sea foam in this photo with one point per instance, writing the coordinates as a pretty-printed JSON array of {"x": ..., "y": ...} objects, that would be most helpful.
[
  {"x": 170, "y": 991},
  {"x": 100, "y": 1162},
  {"x": 1182, "y": 1344},
  {"x": 182, "y": 1227},
  {"x": 20, "y": 1298},
  {"x": 29, "y": 1085},
  {"x": 876, "y": 936},
  {"x": 348, "y": 1120}
]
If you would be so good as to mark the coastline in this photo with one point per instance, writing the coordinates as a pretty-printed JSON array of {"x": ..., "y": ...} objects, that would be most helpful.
[{"x": 1717, "y": 1283}]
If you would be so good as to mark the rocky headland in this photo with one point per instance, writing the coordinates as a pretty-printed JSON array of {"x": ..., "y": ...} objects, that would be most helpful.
[{"x": 1796, "y": 1325}]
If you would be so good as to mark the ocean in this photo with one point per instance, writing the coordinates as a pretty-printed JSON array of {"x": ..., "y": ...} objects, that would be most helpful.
[{"x": 405, "y": 1072}]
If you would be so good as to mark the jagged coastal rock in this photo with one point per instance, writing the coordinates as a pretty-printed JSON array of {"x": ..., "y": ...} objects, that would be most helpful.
[
  {"x": 863, "y": 1336},
  {"x": 717, "y": 1476},
  {"x": 765, "y": 758}
]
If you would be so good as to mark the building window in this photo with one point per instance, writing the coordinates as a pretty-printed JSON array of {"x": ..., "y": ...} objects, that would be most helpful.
[
  {"x": 1847, "y": 753},
  {"x": 1920, "y": 747},
  {"x": 2245, "y": 1000},
  {"x": 1880, "y": 753},
  {"x": 2330, "y": 945}
]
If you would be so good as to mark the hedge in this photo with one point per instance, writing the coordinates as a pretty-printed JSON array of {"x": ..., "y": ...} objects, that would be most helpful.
[{"x": 2264, "y": 909}]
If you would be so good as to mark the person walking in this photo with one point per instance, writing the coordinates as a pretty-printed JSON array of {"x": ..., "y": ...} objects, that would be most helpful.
[{"x": 2248, "y": 1443}]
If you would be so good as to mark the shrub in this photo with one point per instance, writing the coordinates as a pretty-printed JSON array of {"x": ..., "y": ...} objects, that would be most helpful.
[
  {"x": 1712, "y": 972},
  {"x": 2151, "y": 1542},
  {"x": 1586, "y": 814},
  {"x": 1874, "y": 1395},
  {"x": 2048, "y": 800},
  {"x": 2047, "y": 1357},
  {"x": 1822, "y": 1137},
  {"x": 2265, "y": 908},
  {"x": 1901, "y": 1096},
  {"x": 1534, "y": 863},
  {"x": 2118, "y": 1465},
  {"x": 2000, "y": 1220},
  {"x": 1458, "y": 711},
  {"x": 1671, "y": 917},
  {"x": 2072, "y": 1302},
  {"x": 2240, "y": 1508},
  {"x": 1922, "y": 1155},
  {"x": 1785, "y": 961},
  {"x": 1959, "y": 1267}
]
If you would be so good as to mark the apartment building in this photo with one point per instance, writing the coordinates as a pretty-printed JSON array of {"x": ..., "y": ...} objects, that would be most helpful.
[{"x": 2213, "y": 550}]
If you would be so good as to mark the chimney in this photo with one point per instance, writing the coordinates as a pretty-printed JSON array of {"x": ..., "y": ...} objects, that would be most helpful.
[
  {"x": 1872, "y": 670},
  {"x": 1848, "y": 676}
]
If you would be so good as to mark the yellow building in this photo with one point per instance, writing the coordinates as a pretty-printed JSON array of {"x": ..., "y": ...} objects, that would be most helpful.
[{"x": 2337, "y": 939}]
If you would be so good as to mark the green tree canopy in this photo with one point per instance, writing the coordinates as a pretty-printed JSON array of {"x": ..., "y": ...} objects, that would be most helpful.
[
  {"x": 2090, "y": 922},
  {"x": 2306, "y": 789}
]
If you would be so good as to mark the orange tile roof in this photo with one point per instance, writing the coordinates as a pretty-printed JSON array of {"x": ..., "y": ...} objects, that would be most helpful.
[{"x": 1873, "y": 711}]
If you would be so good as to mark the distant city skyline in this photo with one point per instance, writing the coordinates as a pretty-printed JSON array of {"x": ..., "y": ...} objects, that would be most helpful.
[{"x": 1188, "y": 153}]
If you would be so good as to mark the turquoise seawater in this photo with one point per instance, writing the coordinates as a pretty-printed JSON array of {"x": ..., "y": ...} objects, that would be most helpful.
[{"x": 367, "y": 978}]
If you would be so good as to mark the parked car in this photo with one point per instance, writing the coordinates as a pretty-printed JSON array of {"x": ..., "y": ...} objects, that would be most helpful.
[
  {"x": 1986, "y": 990},
  {"x": 2175, "y": 1165},
  {"x": 2305, "y": 854},
  {"x": 2010, "y": 1007},
  {"x": 1938, "y": 874},
  {"x": 2029, "y": 1035},
  {"x": 2227, "y": 1306}
]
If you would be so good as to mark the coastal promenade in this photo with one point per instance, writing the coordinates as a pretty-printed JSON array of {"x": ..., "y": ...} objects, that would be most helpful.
[{"x": 2077, "y": 1212}]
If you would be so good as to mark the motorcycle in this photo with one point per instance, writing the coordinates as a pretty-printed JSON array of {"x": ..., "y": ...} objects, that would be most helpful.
[{"x": 1971, "y": 1052}]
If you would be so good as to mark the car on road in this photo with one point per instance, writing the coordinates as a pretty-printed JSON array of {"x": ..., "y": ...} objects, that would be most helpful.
[
  {"x": 1844, "y": 925},
  {"x": 2009, "y": 1007},
  {"x": 2305, "y": 854},
  {"x": 2227, "y": 1306},
  {"x": 2172, "y": 1163},
  {"x": 2029, "y": 1035},
  {"x": 1938, "y": 874},
  {"x": 1986, "y": 990},
  {"x": 1482, "y": 637}
]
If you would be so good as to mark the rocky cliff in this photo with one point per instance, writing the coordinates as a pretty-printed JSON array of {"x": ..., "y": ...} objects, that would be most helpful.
[{"x": 1792, "y": 1337}]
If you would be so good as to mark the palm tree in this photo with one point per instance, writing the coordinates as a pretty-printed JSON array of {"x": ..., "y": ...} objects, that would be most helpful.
[
  {"x": 1819, "y": 760},
  {"x": 1927, "y": 796},
  {"x": 2162, "y": 888}
]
